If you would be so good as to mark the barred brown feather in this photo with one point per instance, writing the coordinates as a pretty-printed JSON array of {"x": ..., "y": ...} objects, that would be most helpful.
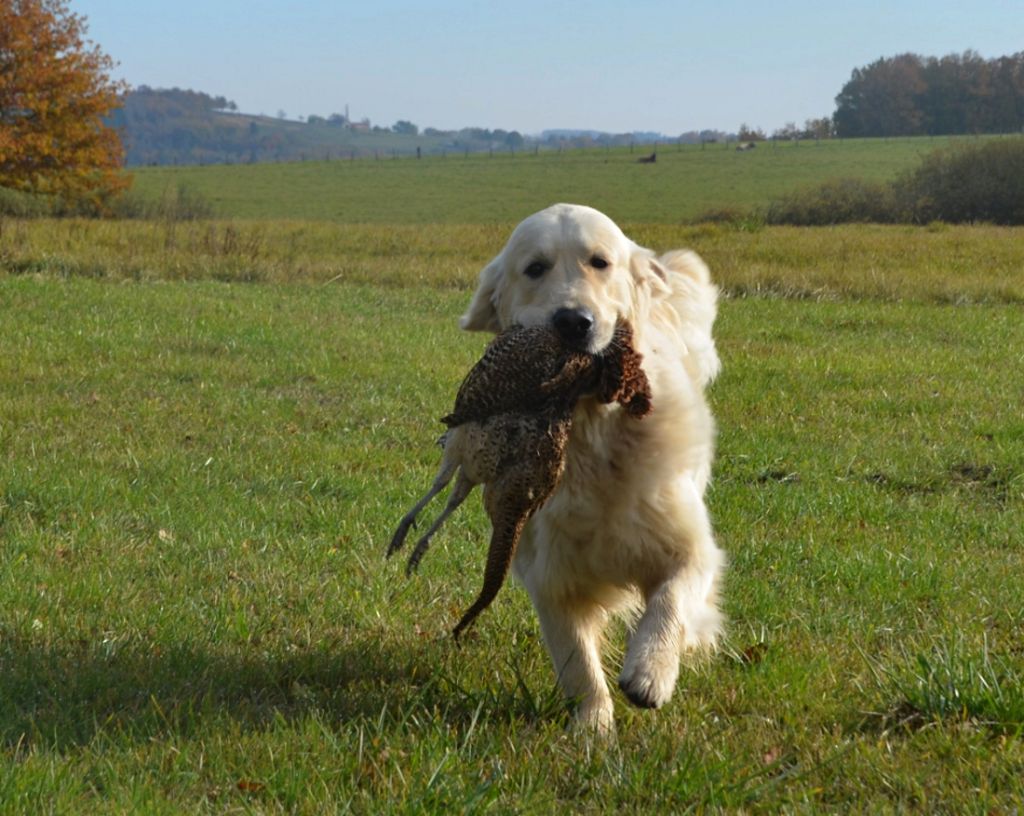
[{"x": 510, "y": 427}]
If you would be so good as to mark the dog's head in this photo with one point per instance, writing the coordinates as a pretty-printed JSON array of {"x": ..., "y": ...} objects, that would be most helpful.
[{"x": 570, "y": 267}]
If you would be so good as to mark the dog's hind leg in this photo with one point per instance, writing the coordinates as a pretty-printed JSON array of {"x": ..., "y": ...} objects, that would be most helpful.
[{"x": 463, "y": 487}]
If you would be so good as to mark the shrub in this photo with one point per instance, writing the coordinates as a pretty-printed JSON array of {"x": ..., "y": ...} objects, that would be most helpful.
[
  {"x": 838, "y": 201},
  {"x": 22, "y": 205},
  {"x": 979, "y": 182},
  {"x": 178, "y": 203},
  {"x": 733, "y": 217}
]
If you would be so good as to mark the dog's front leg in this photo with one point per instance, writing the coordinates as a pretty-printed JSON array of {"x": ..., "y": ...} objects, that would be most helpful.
[
  {"x": 681, "y": 613},
  {"x": 572, "y": 634}
]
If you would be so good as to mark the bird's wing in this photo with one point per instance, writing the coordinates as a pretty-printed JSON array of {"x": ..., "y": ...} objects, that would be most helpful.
[{"x": 507, "y": 378}]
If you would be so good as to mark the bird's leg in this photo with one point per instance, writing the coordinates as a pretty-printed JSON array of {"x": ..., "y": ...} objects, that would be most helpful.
[
  {"x": 463, "y": 487},
  {"x": 444, "y": 475}
]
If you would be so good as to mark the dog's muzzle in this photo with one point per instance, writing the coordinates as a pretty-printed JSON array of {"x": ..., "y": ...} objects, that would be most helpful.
[{"x": 573, "y": 325}]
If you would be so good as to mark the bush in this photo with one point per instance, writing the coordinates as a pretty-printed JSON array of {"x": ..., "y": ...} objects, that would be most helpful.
[
  {"x": 839, "y": 201},
  {"x": 981, "y": 182},
  {"x": 735, "y": 218},
  {"x": 22, "y": 205},
  {"x": 978, "y": 182},
  {"x": 178, "y": 203}
]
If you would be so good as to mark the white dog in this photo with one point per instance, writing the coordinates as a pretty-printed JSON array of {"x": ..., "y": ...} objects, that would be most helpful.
[{"x": 627, "y": 529}]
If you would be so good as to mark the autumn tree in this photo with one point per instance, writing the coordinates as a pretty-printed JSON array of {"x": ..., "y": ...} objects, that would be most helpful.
[{"x": 55, "y": 90}]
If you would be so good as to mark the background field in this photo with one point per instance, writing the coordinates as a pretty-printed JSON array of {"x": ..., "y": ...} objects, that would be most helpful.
[
  {"x": 208, "y": 431},
  {"x": 686, "y": 181}
]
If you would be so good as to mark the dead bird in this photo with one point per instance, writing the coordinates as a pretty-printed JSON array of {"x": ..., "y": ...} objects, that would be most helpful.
[{"x": 509, "y": 430}]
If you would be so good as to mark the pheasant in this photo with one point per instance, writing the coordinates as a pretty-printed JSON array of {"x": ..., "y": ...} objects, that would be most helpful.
[{"x": 509, "y": 429}]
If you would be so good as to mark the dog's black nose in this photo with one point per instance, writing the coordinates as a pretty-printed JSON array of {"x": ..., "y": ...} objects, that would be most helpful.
[{"x": 573, "y": 324}]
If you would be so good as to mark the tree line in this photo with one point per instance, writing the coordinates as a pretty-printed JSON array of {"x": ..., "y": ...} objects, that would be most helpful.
[
  {"x": 175, "y": 126},
  {"x": 911, "y": 95},
  {"x": 63, "y": 118}
]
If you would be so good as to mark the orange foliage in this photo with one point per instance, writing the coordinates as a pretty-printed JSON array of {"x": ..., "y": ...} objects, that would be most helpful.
[{"x": 55, "y": 90}]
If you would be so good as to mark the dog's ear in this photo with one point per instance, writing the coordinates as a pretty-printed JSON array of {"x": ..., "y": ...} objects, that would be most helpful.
[
  {"x": 647, "y": 271},
  {"x": 482, "y": 314}
]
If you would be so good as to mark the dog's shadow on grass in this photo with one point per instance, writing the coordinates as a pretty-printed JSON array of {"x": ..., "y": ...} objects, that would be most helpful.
[{"x": 63, "y": 697}]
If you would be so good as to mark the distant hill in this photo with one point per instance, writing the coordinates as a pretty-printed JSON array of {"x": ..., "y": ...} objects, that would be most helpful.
[
  {"x": 175, "y": 126},
  {"x": 189, "y": 127}
]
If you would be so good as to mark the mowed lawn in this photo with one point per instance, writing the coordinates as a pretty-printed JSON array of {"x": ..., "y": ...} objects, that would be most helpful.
[{"x": 198, "y": 480}]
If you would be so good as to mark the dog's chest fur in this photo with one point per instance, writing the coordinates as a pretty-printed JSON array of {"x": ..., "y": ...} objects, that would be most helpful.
[{"x": 605, "y": 521}]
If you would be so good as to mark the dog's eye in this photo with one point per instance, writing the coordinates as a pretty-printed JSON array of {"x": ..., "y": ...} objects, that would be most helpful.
[
  {"x": 598, "y": 262},
  {"x": 535, "y": 270}
]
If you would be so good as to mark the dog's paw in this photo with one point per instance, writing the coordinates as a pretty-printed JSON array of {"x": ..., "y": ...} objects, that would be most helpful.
[
  {"x": 648, "y": 685},
  {"x": 597, "y": 719}
]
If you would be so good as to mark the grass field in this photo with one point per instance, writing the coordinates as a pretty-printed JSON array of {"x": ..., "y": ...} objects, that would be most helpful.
[
  {"x": 208, "y": 431},
  {"x": 945, "y": 264},
  {"x": 685, "y": 182},
  {"x": 198, "y": 479}
]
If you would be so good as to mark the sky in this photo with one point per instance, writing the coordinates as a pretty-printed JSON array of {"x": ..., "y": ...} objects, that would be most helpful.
[{"x": 531, "y": 65}]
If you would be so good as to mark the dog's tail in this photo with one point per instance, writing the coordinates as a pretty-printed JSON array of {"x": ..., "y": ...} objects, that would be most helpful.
[{"x": 695, "y": 299}]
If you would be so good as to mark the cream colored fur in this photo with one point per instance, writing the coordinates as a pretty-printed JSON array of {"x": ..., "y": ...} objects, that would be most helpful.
[{"x": 627, "y": 530}]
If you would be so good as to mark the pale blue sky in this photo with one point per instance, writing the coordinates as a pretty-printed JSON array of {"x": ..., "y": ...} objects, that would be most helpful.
[{"x": 529, "y": 65}]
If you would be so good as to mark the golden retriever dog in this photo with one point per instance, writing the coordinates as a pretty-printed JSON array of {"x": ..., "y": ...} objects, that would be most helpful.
[{"x": 626, "y": 531}]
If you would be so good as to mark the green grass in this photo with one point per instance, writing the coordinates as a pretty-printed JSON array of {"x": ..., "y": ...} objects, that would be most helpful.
[
  {"x": 686, "y": 181},
  {"x": 198, "y": 479},
  {"x": 936, "y": 264}
]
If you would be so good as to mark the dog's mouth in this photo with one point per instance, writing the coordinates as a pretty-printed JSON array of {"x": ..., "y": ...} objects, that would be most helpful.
[
  {"x": 600, "y": 340},
  {"x": 581, "y": 331}
]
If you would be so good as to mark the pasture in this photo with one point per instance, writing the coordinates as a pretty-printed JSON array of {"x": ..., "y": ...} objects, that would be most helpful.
[
  {"x": 686, "y": 181},
  {"x": 208, "y": 431}
]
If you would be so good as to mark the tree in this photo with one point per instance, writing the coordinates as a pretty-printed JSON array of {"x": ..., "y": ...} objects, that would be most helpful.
[
  {"x": 55, "y": 90},
  {"x": 882, "y": 99},
  {"x": 818, "y": 128},
  {"x": 749, "y": 134},
  {"x": 909, "y": 95},
  {"x": 787, "y": 131},
  {"x": 405, "y": 127}
]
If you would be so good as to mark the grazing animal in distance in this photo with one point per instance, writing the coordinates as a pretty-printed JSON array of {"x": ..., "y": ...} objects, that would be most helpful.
[
  {"x": 509, "y": 430},
  {"x": 648, "y": 159}
]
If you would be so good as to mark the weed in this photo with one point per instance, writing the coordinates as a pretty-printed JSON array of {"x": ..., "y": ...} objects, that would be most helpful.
[{"x": 952, "y": 682}]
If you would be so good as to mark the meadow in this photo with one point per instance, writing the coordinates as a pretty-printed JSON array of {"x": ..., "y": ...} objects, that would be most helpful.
[
  {"x": 686, "y": 181},
  {"x": 208, "y": 431}
]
